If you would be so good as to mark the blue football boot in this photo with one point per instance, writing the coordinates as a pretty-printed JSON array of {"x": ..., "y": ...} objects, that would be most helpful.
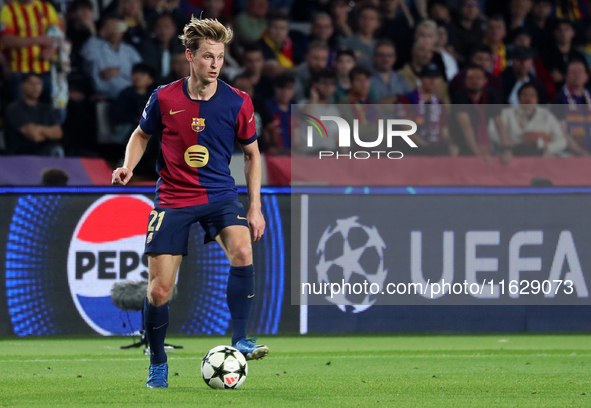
[
  {"x": 158, "y": 377},
  {"x": 250, "y": 350}
]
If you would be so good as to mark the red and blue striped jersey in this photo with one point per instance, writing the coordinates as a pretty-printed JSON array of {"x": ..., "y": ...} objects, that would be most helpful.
[{"x": 196, "y": 142}]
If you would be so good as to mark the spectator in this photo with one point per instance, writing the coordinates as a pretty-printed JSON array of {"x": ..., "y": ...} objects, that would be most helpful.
[
  {"x": 26, "y": 39},
  {"x": 316, "y": 60},
  {"x": 127, "y": 109},
  {"x": 322, "y": 30},
  {"x": 422, "y": 55},
  {"x": 518, "y": 11},
  {"x": 284, "y": 87},
  {"x": 439, "y": 11},
  {"x": 254, "y": 62},
  {"x": 80, "y": 28},
  {"x": 319, "y": 104},
  {"x": 533, "y": 130},
  {"x": 475, "y": 107},
  {"x": 520, "y": 73},
  {"x": 54, "y": 177},
  {"x": 109, "y": 60},
  {"x": 430, "y": 115},
  {"x": 277, "y": 46},
  {"x": 467, "y": 29},
  {"x": 494, "y": 36},
  {"x": 446, "y": 50},
  {"x": 558, "y": 54},
  {"x": 157, "y": 51},
  {"x": 263, "y": 120},
  {"x": 133, "y": 15},
  {"x": 360, "y": 77},
  {"x": 537, "y": 23},
  {"x": 345, "y": 62},
  {"x": 427, "y": 32},
  {"x": 385, "y": 83},
  {"x": 574, "y": 109},
  {"x": 340, "y": 10},
  {"x": 481, "y": 56},
  {"x": 251, "y": 23},
  {"x": 397, "y": 25},
  {"x": 362, "y": 42},
  {"x": 179, "y": 68},
  {"x": 32, "y": 127}
]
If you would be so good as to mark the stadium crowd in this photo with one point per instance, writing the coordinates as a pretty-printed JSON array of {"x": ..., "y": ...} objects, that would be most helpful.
[{"x": 478, "y": 77}]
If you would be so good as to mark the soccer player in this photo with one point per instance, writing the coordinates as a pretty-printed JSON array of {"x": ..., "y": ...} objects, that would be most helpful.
[{"x": 197, "y": 119}]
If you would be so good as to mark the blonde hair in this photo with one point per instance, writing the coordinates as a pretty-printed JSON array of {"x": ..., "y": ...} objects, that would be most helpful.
[
  {"x": 426, "y": 24},
  {"x": 204, "y": 29}
]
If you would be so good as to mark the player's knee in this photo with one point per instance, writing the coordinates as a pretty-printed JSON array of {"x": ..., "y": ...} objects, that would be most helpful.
[
  {"x": 242, "y": 255},
  {"x": 158, "y": 295}
]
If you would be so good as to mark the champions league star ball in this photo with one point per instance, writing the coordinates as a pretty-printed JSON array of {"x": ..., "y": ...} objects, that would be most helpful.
[{"x": 224, "y": 367}]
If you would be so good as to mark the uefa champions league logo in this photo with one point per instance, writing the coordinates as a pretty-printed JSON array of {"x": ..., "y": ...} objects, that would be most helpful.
[{"x": 351, "y": 253}]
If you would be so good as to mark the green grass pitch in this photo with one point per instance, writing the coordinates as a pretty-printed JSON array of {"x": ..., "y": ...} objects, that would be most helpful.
[{"x": 347, "y": 371}]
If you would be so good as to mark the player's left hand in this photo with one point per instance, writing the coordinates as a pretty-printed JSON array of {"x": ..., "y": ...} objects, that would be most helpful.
[{"x": 256, "y": 223}]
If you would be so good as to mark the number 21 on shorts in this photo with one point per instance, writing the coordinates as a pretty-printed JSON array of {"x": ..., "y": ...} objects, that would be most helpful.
[{"x": 153, "y": 216}]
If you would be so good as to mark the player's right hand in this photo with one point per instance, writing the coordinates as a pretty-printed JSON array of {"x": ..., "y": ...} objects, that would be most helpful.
[{"x": 121, "y": 176}]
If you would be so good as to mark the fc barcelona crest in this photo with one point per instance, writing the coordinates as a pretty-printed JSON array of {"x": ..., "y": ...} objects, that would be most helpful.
[{"x": 198, "y": 124}]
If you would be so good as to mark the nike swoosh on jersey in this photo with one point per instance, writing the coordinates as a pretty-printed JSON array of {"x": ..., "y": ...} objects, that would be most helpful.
[
  {"x": 250, "y": 296},
  {"x": 175, "y": 112},
  {"x": 241, "y": 218}
]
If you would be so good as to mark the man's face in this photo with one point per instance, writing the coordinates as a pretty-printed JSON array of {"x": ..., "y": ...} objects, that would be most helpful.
[
  {"x": 427, "y": 35},
  {"x": 576, "y": 75},
  {"x": 542, "y": 10},
  {"x": 141, "y": 80},
  {"x": 522, "y": 67},
  {"x": 207, "y": 60},
  {"x": 369, "y": 21},
  {"x": 522, "y": 40},
  {"x": 322, "y": 28},
  {"x": 83, "y": 14},
  {"x": 360, "y": 85},
  {"x": 165, "y": 29},
  {"x": 475, "y": 80},
  {"x": 345, "y": 63},
  {"x": 528, "y": 96},
  {"x": 470, "y": 10},
  {"x": 285, "y": 94},
  {"x": 278, "y": 31},
  {"x": 384, "y": 58},
  {"x": 430, "y": 84},
  {"x": 520, "y": 8},
  {"x": 113, "y": 30},
  {"x": 317, "y": 59},
  {"x": 495, "y": 31},
  {"x": 32, "y": 87},
  {"x": 422, "y": 55},
  {"x": 483, "y": 59},
  {"x": 180, "y": 66},
  {"x": 564, "y": 33},
  {"x": 325, "y": 87},
  {"x": 254, "y": 62}
]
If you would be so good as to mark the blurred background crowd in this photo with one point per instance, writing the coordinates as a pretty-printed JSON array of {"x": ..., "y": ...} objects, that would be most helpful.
[{"x": 479, "y": 77}]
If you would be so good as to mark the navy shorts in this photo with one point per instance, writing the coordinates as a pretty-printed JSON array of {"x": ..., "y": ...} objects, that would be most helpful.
[{"x": 168, "y": 228}]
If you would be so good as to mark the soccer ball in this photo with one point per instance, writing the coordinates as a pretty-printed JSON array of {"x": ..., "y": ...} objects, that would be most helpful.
[
  {"x": 224, "y": 367},
  {"x": 352, "y": 253}
]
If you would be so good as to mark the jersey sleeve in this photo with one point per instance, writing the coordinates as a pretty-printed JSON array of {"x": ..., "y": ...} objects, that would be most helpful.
[
  {"x": 245, "y": 127},
  {"x": 151, "y": 117},
  {"x": 53, "y": 17},
  {"x": 7, "y": 22}
]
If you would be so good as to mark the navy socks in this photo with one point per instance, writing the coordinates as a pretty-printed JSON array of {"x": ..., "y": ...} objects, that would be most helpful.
[
  {"x": 156, "y": 323},
  {"x": 240, "y": 295}
]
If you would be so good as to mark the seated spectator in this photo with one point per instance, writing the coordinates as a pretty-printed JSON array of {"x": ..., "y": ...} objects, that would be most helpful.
[
  {"x": 427, "y": 33},
  {"x": 316, "y": 60},
  {"x": 438, "y": 10},
  {"x": 360, "y": 78},
  {"x": 422, "y": 54},
  {"x": 27, "y": 42},
  {"x": 481, "y": 56},
  {"x": 430, "y": 115},
  {"x": 494, "y": 35},
  {"x": 322, "y": 30},
  {"x": 251, "y": 23},
  {"x": 466, "y": 29},
  {"x": 532, "y": 129},
  {"x": 518, "y": 11},
  {"x": 537, "y": 23},
  {"x": 179, "y": 68},
  {"x": 133, "y": 15},
  {"x": 253, "y": 62},
  {"x": 557, "y": 54},
  {"x": 573, "y": 109},
  {"x": 345, "y": 62},
  {"x": 475, "y": 107},
  {"x": 108, "y": 59},
  {"x": 277, "y": 47},
  {"x": 320, "y": 103},
  {"x": 263, "y": 120},
  {"x": 127, "y": 109},
  {"x": 156, "y": 52},
  {"x": 520, "y": 73},
  {"x": 80, "y": 28},
  {"x": 447, "y": 53},
  {"x": 362, "y": 43},
  {"x": 279, "y": 107},
  {"x": 385, "y": 83},
  {"x": 397, "y": 25},
  {"x": 31, "y": 124}
]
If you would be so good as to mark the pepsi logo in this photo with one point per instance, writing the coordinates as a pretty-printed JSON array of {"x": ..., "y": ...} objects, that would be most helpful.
[{"x": 107, "y": 247}]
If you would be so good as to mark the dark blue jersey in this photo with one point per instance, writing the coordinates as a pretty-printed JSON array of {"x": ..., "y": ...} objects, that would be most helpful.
[{"x": 197, "y": 139}]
